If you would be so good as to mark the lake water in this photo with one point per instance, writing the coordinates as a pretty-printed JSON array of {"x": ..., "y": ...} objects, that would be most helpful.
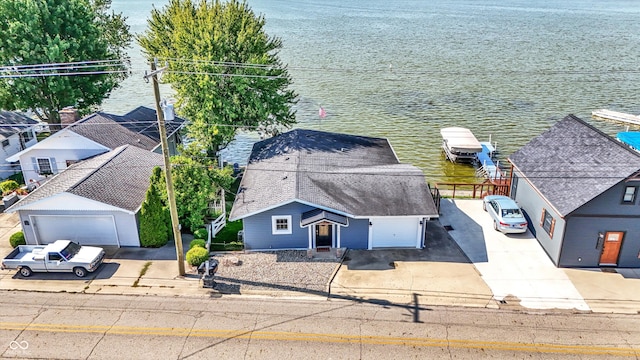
[{"x": 404, "y": 69}]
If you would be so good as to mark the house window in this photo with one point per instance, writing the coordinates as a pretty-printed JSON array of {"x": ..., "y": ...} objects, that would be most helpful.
[
  {"x": 629, "y": 195},
  {"x": 547, "y": 222},
  {"x": 5, "y": 143},
  {"x": 27, "y": 136},
  {"x": 281, "y": 224},
  {"x": 44, "y": 166}
]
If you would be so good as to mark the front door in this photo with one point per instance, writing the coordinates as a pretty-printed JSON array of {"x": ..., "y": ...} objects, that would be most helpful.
[
  {"x": 324, "y": 235},
  {"x": 611, "y": 248}
]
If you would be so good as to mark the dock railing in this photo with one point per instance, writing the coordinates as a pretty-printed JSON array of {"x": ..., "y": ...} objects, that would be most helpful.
[{"x": 471, "y": 190}]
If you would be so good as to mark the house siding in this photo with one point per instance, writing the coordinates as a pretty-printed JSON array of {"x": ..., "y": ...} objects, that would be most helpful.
[
  {"x": 126, "y": 226},
  {"x": 61, "y": 157},
  {"x": 533, "y": 204},
  {"x": 258, "y": 235},
  {"x": 356, "y": 235},
  {"x": 604, "y": 213},
  {"x": 6, "y": 168},
  {"x": 257, "y": 229}
]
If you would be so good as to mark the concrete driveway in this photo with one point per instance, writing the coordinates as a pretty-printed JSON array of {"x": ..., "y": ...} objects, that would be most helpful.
[
  {"x": 440, "y": 274},
  {"x": 514, "y": 266},
  {"x": 517, "y": 269}
]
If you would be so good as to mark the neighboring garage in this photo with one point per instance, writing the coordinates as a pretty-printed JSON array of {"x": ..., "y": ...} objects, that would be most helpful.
[
  {"x": 84, "y": 229},
  {"x": 93, "y": 202},
  {"x": 395, "y": 232}
]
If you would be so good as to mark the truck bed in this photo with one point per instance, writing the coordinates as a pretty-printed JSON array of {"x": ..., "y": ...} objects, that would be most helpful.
[{"x": 25, "y": 252}]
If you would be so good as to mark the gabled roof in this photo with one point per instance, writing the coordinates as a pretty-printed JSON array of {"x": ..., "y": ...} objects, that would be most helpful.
[
  {"x": 138, "y": 128},
  {"x": 13, "y": 122},
  {"x": 573, "y": 162},
  {"x": 352, "y": 175},
  {"x": 119, "y": 178}
]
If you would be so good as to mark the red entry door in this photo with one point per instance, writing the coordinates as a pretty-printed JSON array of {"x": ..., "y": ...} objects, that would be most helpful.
[{"x": 611, "y": 248}]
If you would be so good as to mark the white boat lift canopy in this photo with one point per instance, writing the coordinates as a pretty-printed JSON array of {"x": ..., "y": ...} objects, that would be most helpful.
[{"x": 460, "y": 140}]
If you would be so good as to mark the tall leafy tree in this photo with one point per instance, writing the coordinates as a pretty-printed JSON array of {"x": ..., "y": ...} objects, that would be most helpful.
[
  {"x": 224, "y": 68},
  {"x": 60, "y": 31}
]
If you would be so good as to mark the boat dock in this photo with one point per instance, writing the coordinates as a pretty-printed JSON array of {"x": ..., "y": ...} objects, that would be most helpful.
[
  {"x": 486, "y": 167},
  {"x": 616, "y": 116}
]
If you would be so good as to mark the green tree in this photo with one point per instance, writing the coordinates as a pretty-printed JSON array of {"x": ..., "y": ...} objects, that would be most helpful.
[
  {"x": 36, "y": 32},
  {"x": 224, "y": 68},
  {"x": 196, "y": 186},
  {"x": 154, "y": 228}
]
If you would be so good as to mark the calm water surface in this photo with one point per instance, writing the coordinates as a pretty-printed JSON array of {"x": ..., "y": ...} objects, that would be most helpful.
[{"x": 404, "y": 69}]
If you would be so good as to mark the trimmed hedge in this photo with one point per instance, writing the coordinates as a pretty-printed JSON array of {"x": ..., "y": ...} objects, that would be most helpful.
[
  {"x": 230, "y": 246},
  {"x": 201, "y": 234},
  {"x": 197, "y": 255},
  {"x": 17, "y": 239},
  {"x": 198, "y": 242}
]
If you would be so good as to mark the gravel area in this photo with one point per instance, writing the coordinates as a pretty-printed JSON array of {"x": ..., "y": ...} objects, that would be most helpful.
[{"x": 286, "y": 270}]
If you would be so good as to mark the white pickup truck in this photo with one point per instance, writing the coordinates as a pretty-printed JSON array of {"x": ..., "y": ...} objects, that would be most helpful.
[{"x": 59, "y": 256}]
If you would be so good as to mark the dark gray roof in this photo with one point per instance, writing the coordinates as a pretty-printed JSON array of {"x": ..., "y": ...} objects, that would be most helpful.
[
  {"x": 138, "y": 128},
  {"x": 573, "y": 162},
  {"x": 355, "y": 175},
  {"x": 119, "y": 178},
  {"x": 13, "y": 122}
]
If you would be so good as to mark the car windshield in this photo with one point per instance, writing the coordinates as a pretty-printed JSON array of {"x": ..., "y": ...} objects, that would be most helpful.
[
  {"x": 511, "y": 213},
  {"x": 69, "y": 251}
]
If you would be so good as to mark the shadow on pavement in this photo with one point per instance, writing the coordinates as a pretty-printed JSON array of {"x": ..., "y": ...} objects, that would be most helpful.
[
  {"x": 167, "y": 252},
  {"x": 105, "y": 271},
  {"x": 468, "y": 234},
  {"x": 439, "y": 247}
]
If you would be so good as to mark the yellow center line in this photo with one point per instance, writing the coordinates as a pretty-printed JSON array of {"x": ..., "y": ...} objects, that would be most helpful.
[{"x": 325, "y": 338}]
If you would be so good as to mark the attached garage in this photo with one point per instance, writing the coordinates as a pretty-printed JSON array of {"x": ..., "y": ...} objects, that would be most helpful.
[
  {"x": 395, "y": 232},
  {"x": 86, "y": 230}
]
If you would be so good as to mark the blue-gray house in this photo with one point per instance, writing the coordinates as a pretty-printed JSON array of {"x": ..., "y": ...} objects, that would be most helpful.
[
  {"x": 308, "y": 189},
  {"x": 579, "y": 187}
]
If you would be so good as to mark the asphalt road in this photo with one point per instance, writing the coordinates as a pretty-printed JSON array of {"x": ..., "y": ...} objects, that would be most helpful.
[{"x": 80, "y": 326}]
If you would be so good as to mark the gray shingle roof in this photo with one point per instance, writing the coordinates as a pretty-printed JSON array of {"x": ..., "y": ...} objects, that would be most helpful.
[
  {"x": 119, "y": 178},
  {"x": 138, "y": 128},
  {"x": 355, "y": 175},
  {"x": 573, "y": 162},
  {"x": 13, "y": 122}
]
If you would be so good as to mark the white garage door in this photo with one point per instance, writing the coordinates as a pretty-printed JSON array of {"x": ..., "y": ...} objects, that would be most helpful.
[
  {"x": 394, "y": 232},
  {"x": 86, "y": 230}
]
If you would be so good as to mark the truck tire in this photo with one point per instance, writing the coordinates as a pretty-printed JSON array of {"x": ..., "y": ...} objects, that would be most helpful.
[
  {"x": 80, "y": 271},
  {"x": 25, "y": 271}
]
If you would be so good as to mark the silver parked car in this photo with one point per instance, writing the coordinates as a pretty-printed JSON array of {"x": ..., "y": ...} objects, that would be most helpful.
[{"x": 506, "y": 214}]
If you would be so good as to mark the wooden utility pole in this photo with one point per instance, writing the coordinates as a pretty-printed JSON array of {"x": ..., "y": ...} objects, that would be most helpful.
[{"x": 167, "y": 167}]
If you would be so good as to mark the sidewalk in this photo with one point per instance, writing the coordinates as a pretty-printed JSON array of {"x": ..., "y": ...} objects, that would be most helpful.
[{"x": 465, "y": 264}]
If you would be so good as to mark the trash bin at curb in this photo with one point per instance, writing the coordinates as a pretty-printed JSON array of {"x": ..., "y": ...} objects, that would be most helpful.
[{"x": 208, "y": 270}]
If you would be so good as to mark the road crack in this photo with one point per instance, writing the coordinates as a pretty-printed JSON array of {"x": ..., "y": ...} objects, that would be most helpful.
[{"x": 104, "y": 333}]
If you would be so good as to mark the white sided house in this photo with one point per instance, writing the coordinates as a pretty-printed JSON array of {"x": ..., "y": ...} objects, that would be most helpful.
[
  {"x": 308, "y": 189},
  {"x": 93, "y": 202},
  {"x": 95, "y": 134},
  {"x": 17, "y": 132}
]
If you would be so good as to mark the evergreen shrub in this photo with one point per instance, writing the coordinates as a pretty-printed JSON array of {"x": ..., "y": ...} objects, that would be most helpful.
[
  {"x": 198, "y": 242},
  {"x": 17, "y": 239},
  {"x": 197, "y": 255}
]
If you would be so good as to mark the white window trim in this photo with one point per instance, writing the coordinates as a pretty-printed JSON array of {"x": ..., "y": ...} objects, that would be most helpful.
[
  {"x": 38, "y": 165},
  {"x": 274, "y": 228}
]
